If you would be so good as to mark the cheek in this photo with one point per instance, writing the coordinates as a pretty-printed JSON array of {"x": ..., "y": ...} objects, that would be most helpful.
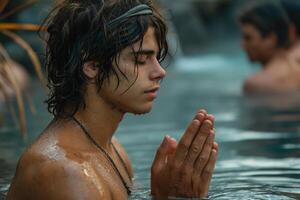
[
  {"x": 122, "y": 81},
  {"x": 127, "y": 75},
  {"x": 254, "y": 46}
]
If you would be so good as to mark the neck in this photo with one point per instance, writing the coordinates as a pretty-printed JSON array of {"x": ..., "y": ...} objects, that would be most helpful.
[
  {"x": 100, "y": 119},
  {"x": 276, "y": 56},
  {"x": 296, "y": 44}
]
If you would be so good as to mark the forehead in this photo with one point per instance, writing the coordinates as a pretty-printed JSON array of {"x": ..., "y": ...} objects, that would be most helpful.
[
  {"x": 149, "y": 42},
  {"x": 249, "y": 29}
]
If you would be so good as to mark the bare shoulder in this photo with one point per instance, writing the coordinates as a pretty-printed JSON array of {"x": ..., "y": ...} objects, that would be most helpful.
[
  {"x": 45, "y": 172},
  {"x": 41, "y": 178},
  {"x": 124, "y": 155},
  {"x": 251, "y": 84},
  {"x": 259, "y": 83}
]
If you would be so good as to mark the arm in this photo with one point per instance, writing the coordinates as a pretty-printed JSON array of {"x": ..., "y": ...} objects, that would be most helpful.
[{"x": 55, "y": 180}]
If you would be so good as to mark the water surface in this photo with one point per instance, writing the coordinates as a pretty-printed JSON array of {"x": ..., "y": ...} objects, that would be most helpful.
[{"x": 259, "y": 139}]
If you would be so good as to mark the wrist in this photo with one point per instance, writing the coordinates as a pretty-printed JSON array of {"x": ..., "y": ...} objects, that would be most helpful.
[{"x": 158, "y": 196}]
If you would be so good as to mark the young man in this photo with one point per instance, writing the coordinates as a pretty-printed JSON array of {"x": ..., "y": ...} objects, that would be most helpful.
[
  {"x": 265, "y": 29},
  {"x": 102, "y": 62}
]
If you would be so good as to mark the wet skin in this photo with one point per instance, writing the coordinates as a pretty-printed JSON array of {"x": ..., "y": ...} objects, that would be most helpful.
[{"x": 64, "y": 164}]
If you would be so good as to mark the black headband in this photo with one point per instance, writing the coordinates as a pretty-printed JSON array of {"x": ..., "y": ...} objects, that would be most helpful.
[{"x": 141, "y": 9}]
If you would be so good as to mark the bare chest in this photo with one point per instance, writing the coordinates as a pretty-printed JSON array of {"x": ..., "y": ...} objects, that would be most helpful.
[{"x": 112, "y": 172}]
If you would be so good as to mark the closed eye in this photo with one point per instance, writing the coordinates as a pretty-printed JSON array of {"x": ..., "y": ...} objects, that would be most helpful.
[
  {"x": 141, "y": 59},
  {"x": 141, "y": 56}
]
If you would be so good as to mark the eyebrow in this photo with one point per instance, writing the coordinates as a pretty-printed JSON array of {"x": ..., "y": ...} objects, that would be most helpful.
[{"x": 144, "y": 52}]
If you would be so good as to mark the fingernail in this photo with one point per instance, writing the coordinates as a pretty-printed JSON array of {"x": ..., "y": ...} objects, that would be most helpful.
[
  {"x": 210, "y": 116},
  {"x": 200, "y": 116},
  {"x": 207, "y": 124},
  {"x": 164, "y": 143},
  {"x": 202, "y": 111}
]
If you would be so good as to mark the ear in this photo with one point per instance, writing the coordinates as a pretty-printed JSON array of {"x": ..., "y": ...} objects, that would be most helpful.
[
  {"x": 272, "y": 40},
  {"x": 292, "y": 33},
  {"x": 90, "y": 69}
]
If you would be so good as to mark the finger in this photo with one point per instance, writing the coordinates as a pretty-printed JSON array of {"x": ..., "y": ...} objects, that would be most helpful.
[
  {"x": 185, "y": 142},
  {"x": 159, "y": 162},
  {"x": 202, "y": 111},
  {"x": 207, "y": 173},
  {"x": 211, "y": 118},
  {"x": 203, "y": 158},
  {"x": 189, "y": 135},
  {"x": 201, "y": 115},
  {"x": 200, "y": 163},
  {"x": 161, "y": 155},
  {"x": 172, "y": 146},
  {"x": 198, "y": 143},
  {"x": 216, "y": 146}
]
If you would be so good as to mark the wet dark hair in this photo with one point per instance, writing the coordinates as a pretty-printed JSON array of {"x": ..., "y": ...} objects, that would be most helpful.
[
  {"x": 267, "y": 17},
  {"x": 292, "y": 8},
  {"x": 77, "y": 31}
]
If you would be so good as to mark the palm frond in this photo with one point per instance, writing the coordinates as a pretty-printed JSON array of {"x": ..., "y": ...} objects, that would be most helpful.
[
  {"x": 32, "y": 55},
  {"x": 16, "y": 9},
  {"x": 19, "y": 26},
  {"x": 3, "y": 5},
  {"x": 31, "y": 104}
]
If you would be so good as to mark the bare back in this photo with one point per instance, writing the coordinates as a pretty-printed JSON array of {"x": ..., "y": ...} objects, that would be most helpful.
[{"x": 282, "y": 75}]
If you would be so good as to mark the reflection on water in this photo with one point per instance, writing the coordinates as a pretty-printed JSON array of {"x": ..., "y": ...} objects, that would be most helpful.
[{"x": 259, "y": 138}]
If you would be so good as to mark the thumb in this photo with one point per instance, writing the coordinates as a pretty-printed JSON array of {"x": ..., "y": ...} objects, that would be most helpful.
[
  {"x": 158, "y": 163},
  {"x": 172, "y": 146},
  {"x": 161, "y": 154}
]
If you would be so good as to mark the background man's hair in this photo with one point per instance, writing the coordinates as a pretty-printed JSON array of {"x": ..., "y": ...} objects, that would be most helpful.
[
  {"x": 268, "y": 17},
  {"x": 77, "y": 32},
  {"x": 292, "y": 8}
]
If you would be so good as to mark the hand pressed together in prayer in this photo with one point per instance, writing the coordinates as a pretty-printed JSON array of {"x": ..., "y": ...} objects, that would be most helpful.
[{"x": 185, "y": 169}]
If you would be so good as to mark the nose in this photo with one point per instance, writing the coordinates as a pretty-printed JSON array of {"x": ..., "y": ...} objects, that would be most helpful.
[{"x": 157, "y": 72}]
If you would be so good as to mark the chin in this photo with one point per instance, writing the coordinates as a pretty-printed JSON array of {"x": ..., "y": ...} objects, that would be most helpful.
[
  {"x": 140, "y": 110},
  {"x": 253, "y": 59}
]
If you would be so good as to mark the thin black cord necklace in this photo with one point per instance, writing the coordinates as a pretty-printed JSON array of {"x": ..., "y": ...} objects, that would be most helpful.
[{"x": 108, "y": 156}]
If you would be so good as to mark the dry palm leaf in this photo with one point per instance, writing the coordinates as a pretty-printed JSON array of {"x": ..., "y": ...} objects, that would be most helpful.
[
  {"x": 6, "y": 96},
  {"x": 16, "y": 9},
  {"x": 19, "y": 26},
  {"x": 3, "y": 4},
  {"x": 9, "y": 85}
]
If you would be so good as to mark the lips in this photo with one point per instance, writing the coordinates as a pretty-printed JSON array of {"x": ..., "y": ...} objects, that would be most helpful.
[
  {"x": 152, "y": 93},
  {"x": 153, "y": 90}
]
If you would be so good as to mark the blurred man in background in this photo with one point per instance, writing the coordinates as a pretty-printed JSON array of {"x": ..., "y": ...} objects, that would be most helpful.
[{"x": 265, "y": 30}]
